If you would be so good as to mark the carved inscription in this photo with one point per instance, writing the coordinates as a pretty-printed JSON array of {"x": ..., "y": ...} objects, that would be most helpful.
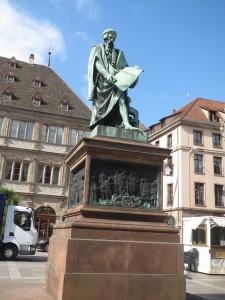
[{"x": 124, "y": 185}]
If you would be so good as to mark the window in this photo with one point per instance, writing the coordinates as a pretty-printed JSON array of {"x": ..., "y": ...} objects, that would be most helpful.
[
  {"x": 170, "y": 160},
  {"x": 217, "y": 162},
  {"x": 36, "y": 102},
  {"x": 157, "y": 143},
  {"x": 37, "y": 99},
  {"x": 64, "y": 103},
  {"x": 8, "y": 94},
  {"x": 198, "y": 163},
  {"x": 51, "y": 134},
  {"x": 16, "y": 171},
  {"x": 199, "y": 235},
  {"x": 22, "y": 219},
  {"x": 64, "y": 106},
  {"x": 37, "y": 82},
  {"x": 81, "y": 134},
  {"x": 48, "y": 174},
  {"x": 216, "y": 140},
  {"x": 12, "y": 63},
  {"x": 87, "y": 134},
  {"x": 199, "y": 193},
  {"x": 212, "y": 116},
  {"x": 218, "y": 190},
  {"x": 169, "y": 167},
  {"x": 21, "y": 129},
  {"x": 73, "y": 137},
  {"x": 10, "y": 78},
  {"x": 170, "y": 194},
  {"x": 1, "y": 122},
  {"x": 77, "y": 135},
  {"x": 198, "y": 138},
  {"x": 169, "y": 141}
]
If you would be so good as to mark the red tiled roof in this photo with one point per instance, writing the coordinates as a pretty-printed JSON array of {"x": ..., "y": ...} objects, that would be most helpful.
[{"x": 192, "y": 111}]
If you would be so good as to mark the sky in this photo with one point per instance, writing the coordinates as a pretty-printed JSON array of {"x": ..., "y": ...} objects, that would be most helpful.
[{"x": 180, "y": 45}]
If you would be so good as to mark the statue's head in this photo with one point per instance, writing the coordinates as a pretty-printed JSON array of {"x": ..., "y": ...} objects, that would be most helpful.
[{"x": 109, "y": 36}]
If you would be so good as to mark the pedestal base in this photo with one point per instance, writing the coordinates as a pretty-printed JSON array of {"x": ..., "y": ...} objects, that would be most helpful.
[
  {"x": 114, "y": 244},
  {"x": 93, "y": 258}
]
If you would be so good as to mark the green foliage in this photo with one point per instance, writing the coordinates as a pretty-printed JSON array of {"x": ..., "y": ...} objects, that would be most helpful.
[{"x": 11, "y": 199}]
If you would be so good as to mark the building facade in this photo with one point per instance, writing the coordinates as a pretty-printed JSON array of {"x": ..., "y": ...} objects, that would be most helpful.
[
  {"x": 194, "y": 174},
  {"x": 41, "y": 119}
]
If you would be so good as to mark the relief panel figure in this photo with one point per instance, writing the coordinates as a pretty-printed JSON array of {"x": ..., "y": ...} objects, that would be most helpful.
[{"x": 124, "y": 185}]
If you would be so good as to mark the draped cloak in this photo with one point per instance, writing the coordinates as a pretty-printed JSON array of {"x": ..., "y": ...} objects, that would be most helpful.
[{"x": 105, "y": 95}]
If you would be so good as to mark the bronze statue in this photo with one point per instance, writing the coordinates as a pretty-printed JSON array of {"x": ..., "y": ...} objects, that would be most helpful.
[{"x": 110, "y": 103}]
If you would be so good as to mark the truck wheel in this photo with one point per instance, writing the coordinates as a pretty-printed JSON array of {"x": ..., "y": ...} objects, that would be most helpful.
[
  {"x": 9, "y": 252},
  {"x": 46, "y": 247}
]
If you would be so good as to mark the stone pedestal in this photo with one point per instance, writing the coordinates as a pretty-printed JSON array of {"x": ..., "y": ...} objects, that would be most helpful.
[{"x": 114, "y": 244}]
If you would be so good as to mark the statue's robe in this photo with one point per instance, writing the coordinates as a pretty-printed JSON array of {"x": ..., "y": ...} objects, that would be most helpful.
[{"x": 105, "y": 95}]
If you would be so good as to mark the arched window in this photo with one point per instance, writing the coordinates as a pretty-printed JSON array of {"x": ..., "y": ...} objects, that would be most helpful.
[{"x": 45, "y": 210}]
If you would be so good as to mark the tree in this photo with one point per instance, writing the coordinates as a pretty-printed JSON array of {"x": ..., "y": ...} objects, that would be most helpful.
[{"x": 11, "y": 198}]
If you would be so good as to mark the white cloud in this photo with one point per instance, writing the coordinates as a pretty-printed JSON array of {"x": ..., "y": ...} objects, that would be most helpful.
[
  {"x": 89, "y": 7},
  {"x": 21, "y": 35},
  {"x": 81, "y": 35}
]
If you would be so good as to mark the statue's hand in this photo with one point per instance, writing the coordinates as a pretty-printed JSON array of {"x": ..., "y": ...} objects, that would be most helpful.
[{"x": 110, "y": 78}]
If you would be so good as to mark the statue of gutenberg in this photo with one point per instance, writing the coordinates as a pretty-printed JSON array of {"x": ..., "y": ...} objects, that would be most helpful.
[{"x": 110, "y": 104}]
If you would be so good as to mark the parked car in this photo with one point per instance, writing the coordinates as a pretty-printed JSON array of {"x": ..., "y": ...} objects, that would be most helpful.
[{"x": 42, "y": 244}]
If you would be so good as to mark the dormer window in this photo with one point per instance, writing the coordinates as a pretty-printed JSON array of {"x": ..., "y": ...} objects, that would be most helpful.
[
  {"x": 12, "y": 62},
  {"x": 65, "y": 104},
  {"x": 36, "y": 102},
  {"x": 212, "y": 116},
  {"x": 8, "y": 94},
  {"x": 37, "y": 99},
  {"x": 10, "y": 77},
  {"x": 37, "y": 82}
]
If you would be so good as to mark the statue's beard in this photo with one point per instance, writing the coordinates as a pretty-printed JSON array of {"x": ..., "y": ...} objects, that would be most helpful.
[{"x": 109, "y": 45}]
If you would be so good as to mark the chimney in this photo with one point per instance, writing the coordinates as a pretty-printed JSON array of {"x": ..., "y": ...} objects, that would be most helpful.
[{"x": 31, "y": 59}]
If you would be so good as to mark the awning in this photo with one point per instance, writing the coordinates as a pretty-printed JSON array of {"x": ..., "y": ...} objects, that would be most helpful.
[
  {"x": 219, "y": 221},
  {"x": 196, "y": 221}
]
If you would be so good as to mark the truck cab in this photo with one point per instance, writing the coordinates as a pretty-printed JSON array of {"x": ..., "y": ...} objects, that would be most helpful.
[{"x": 20, "y": 235}]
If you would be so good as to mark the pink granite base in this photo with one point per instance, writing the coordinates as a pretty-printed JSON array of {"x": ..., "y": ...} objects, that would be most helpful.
[{"x": 104, "y": 264}]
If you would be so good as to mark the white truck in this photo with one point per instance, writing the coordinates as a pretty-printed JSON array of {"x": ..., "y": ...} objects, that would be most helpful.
[
  {"x": 204, "y": 244},
  {"x": 19, "y": 235}
]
